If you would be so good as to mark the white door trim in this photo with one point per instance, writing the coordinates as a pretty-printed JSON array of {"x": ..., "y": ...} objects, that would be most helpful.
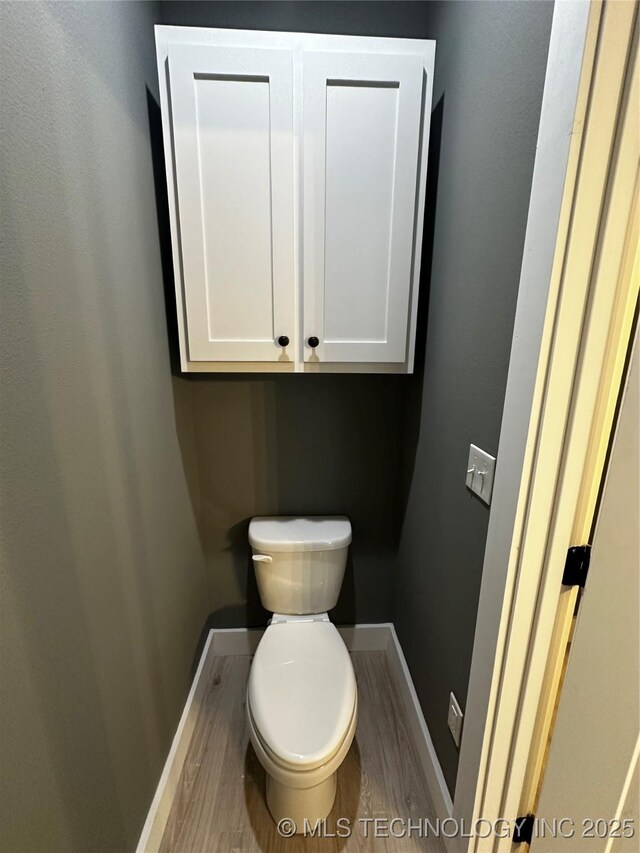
[
  {"x": 553, "y": 410},
  {"x": 557, "y": 144}
]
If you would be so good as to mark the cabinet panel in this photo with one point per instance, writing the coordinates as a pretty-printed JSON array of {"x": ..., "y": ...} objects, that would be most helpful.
[
  {"x": 233, "y": 147},
  {"x": 296, "y": 165},
  {"x": 361, "y": 139}
]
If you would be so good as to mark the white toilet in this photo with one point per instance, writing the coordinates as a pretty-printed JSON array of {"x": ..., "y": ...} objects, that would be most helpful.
[{"x": 301, "y": 696}]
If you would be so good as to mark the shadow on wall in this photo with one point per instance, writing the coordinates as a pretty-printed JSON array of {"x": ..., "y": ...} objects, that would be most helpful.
[
  {"x": 291, "y": 445},
  {"x": 413, "y": 400},
  {"x": 164, "y": 228}
]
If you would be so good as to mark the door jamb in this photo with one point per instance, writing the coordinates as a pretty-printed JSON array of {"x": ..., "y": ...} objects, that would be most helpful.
[{"x": 563, "y": 324}]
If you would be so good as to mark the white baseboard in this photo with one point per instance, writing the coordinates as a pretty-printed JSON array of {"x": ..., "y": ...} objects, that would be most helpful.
[
  {"x": 154, "y": 826},
  {"x": 436, "y": 783},
  {"x": 357, "y": 638},
  {"x": 366, "y": 638},
  {"x": 235, "y": 641},
  {"x": 244, "y": 641}
]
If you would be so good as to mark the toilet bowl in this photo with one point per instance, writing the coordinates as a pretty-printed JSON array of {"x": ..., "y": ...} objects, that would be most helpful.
[
  {"x": 301, "y": 694},
  {"x": 302, "y": 712}
]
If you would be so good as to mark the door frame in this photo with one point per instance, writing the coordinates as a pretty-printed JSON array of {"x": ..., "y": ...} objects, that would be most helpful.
[{"x": 572, "y": 329}]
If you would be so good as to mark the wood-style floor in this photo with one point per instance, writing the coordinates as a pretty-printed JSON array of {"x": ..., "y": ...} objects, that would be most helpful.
[{"x": 220, "y": 806}]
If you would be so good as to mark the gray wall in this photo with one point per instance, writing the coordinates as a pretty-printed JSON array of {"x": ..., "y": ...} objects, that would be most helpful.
[
  {"x": 103, "y": 582},
  {"x": 419, "y": 535},
  {"x": 300, "y": 444},
  {"x": 392, "y": 18},
  {"x": 106, "y": 460},
  {"x": 490, "y": 63}
]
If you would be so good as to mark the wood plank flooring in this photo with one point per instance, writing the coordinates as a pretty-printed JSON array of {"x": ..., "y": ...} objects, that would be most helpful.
[{"x": 220, "y": 808}]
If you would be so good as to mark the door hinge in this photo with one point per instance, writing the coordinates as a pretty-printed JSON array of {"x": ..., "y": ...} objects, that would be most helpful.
[
  {"x": 576, "y": 565},
  {"x": 523, "y": 829}
]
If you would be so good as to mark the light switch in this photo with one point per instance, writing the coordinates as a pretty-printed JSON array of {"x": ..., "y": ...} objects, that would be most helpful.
[{"x": 480, "y": 471}]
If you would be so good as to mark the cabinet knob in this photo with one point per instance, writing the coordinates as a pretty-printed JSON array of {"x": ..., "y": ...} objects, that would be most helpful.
[
  {"x": 313, "y": 342},
  {"x": 283, "y": 341}
]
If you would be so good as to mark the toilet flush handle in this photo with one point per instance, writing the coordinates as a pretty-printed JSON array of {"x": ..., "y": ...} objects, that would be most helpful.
[{"x": 262, "y": 558}]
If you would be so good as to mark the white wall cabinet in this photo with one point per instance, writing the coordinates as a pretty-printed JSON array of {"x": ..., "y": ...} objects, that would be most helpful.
[{"x": 296, "y": 171}]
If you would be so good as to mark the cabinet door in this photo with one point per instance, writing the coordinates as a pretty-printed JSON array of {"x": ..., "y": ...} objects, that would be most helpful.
[
  {"x": 362, "y": 116},
  {"x": 233, "y": 143}
]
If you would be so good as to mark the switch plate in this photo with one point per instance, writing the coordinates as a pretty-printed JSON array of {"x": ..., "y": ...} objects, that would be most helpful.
[
  {"x": 454, "y": 720},
  {"x": 480, "y": 470}
]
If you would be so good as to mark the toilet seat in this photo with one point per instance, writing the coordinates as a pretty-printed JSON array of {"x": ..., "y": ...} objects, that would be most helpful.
[
  {"x": 301, "y": 695},
  {"x": 300, "y": 778},
  {"x": 302, "y": 770}
]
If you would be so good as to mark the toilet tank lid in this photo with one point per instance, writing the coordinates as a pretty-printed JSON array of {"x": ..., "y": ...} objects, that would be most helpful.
[{"x": 291, "y": 533}]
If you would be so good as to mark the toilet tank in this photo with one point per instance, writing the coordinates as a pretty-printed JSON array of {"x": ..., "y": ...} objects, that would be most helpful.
[{"x": 299, "y": 562}]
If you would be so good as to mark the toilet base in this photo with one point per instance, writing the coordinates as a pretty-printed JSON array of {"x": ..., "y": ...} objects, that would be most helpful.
[{"x": 300, "y": 804}]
